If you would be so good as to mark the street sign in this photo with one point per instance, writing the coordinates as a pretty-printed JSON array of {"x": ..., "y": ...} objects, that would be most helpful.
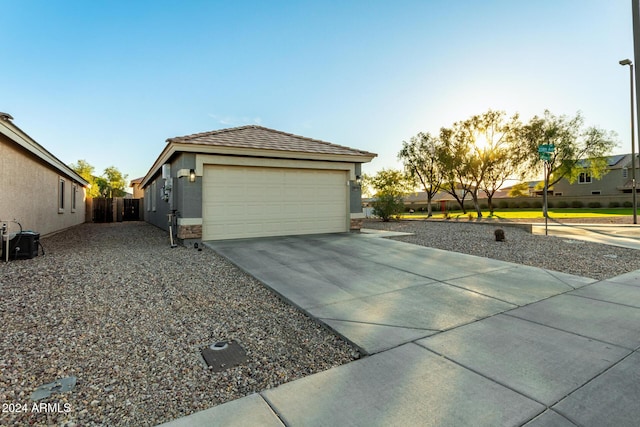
[
  {"x": 546, "y": 148},
  {"x": 545, "y": 156}
]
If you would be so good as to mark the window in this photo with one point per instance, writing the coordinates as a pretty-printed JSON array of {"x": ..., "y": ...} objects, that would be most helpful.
[
  {"x": 61, "y": 195},
  {"x": 595, "y": 193},
  {"x": 154, "y": 190},
  {"x": 625, "y": 173},
  {"x": 74, "y": 194},
  {"x": 558, "y": 193},
  {"x": 584, "y": 178}
]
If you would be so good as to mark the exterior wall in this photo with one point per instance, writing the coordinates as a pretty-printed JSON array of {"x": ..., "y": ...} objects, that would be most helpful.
[
  {"x": 30, "y": 192},
  {"x": 607, "y": 185},
  {"x": 187, "y": 198}
]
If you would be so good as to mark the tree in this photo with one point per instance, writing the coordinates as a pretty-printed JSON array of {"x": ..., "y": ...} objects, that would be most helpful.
[
  {"x": 85, "y": 170},
  {"x": 112, "y": 183},
  {"x": 576, "y": 149},
  {"x": 520, "y": 189},
  {"x": 116, "y": 182},
  {"x": 421, "y": 158},
  {"x": 501, "y": 153},
  {"x": 453, "y": 160},
  {"x": 480, "y": 154},
  {"x": 390, "y": 186}
]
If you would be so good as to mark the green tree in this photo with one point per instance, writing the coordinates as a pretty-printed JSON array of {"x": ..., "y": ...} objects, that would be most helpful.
[
  {"x": 500, "y": 152},
  {"x": 454, "y": 163},
  {"x": 577, "y": 148},
  {"x": 112, "y": 183},
  {"x": 85, "y": 170},
  {"x": 116, "y": 182},
  {"x": 480, "y": 154},
  {"x": 520, "y": 189},
  {"x": 390, "y": 187},
  {"x": 421, "y": 158}
]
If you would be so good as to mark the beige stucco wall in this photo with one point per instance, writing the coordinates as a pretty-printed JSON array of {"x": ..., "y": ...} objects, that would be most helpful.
[{"x": 29, "y": 192}]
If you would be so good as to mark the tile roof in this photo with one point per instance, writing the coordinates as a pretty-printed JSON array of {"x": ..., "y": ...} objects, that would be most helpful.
[{"x": 259, "y": 137}]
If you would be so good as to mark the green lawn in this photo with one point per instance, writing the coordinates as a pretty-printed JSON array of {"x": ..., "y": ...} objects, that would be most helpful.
[{"x": 530, "y": 213}]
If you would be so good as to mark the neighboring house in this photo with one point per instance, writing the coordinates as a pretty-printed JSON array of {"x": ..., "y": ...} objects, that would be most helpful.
[
  {"x": 615, "y": 182},
  {"x": 138, "y": 192},
  {"x": 252, "y": 181},
  {"x": 38, "y": 190}
]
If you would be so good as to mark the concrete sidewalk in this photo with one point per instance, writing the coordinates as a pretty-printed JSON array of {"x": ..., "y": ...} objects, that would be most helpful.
[
  {"x": 451, "y": 339},
  {"x": 624, "y": 235}
]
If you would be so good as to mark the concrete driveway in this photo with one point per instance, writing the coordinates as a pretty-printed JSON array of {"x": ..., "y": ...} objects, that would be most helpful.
[{"x": 452, "y": 339}]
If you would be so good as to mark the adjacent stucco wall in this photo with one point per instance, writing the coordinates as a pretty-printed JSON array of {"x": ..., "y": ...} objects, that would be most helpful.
[
  {"x": 607, "y": 185},
  {"x": 186, "y": 198},
  {"x": 29, "y": 192}
]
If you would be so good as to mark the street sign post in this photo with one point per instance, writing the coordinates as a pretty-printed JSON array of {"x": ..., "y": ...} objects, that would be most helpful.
[{"x": 545, "y": 151}]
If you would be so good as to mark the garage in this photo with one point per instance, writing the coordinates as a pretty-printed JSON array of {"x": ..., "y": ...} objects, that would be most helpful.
[
  {"x": 253, "y": 181},
  {"x": 242, "y": 202}
]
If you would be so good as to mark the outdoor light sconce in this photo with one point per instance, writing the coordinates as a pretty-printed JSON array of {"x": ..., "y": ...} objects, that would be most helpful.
[
  {"x": 358, "y": 179},
  {"x": 192, "y": 175}
]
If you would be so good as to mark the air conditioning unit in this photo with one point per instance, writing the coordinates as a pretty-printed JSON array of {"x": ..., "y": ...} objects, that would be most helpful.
[{"x": 22, "y": 245}]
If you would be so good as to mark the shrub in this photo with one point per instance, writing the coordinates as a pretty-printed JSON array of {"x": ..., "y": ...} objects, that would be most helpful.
[
  {"x": 538, "y": 204},
  {"x": 503, "y": 204},
  {"x": 387, "y": 206},
  {"x": 549, "y": 204},
  {"x": 577, "y": 204},
  {"x": 514, "y": 205},
  {"x": 484, "y": 206},
  {"x": 614, "y": 204},
  {"x": 525, "y": 204},
  {"x": 562, "y": 204},
  {"x": 627, "y": 204},
  {"x": 594, "y": 205}
]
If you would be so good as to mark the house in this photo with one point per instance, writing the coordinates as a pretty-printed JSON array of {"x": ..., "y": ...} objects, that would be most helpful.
[
  {"x": 38, "y": 191},
  {"x": 252, "y": 181},
  {"x": 138, "y": 193},
  {"x": 616, "y": 182}
]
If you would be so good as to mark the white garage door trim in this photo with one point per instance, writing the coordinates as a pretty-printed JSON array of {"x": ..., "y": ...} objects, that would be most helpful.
[{"x": 258, "y": 201}]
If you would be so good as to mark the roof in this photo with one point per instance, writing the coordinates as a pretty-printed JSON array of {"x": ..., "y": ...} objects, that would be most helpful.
[
  {"x": 266, "y": 139},
  {"x": 20, "y": 137},
  {"x": 613, "y": 162},
  {"x": 257, "y": 141}
]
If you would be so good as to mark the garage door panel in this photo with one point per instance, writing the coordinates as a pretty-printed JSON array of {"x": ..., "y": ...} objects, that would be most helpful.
[{"x": 241, "y": 202}]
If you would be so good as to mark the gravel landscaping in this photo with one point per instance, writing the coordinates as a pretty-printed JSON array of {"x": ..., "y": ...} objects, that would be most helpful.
[
  {"x": 571, "y": 256},
  {"x": 114, "y": 306}
]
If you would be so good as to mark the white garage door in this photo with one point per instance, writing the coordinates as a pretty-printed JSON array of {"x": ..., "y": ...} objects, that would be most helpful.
[{"x": 240, "y": 202}]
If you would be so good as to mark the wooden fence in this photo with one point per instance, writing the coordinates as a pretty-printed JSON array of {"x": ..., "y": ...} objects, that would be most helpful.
[{"x": 117, "y": 209}]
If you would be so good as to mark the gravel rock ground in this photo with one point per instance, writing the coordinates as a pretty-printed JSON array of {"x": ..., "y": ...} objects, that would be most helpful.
[
  {"x": 116, "y": 307},
  {"x": 578, "y": 257}
]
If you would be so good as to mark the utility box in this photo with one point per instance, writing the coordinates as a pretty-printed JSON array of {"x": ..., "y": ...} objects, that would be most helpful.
[{"x": 23, "y": 245}]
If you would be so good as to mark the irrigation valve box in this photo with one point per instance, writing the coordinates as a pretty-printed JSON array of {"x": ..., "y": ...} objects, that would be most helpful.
[{"x": 23, "y": 245}]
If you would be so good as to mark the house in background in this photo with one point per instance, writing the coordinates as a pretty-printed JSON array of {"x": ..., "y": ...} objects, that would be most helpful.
[
  {"x": 38, "y": 190},
  {"x": 616, "y": 182},
  {"x": 252, "y": 181},
  {"x": 138, "y": 193}
]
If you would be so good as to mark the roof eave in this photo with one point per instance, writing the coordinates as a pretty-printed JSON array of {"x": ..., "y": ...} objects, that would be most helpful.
[
  {"x": 20, "y": 137},
  {"x": 175, "y": 147}
]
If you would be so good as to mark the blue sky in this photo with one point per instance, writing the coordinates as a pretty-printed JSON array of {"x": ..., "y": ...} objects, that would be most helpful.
[{"x": 110, "y": 81}]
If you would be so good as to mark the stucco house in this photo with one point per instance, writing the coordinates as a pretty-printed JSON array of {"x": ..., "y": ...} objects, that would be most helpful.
[
  {"x": 38, "y": 190},
  {"x": 615, "y": 182},
  {"x": 251, "y": 181}
]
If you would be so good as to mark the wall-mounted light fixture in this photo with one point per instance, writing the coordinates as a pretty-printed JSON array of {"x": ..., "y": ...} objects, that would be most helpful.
[
  {"x": 192, "y": 175},
  {"x": 358, "y": 179}
]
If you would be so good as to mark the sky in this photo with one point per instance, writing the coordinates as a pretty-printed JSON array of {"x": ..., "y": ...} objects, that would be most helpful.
[{"x": 110, "y": 81}]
